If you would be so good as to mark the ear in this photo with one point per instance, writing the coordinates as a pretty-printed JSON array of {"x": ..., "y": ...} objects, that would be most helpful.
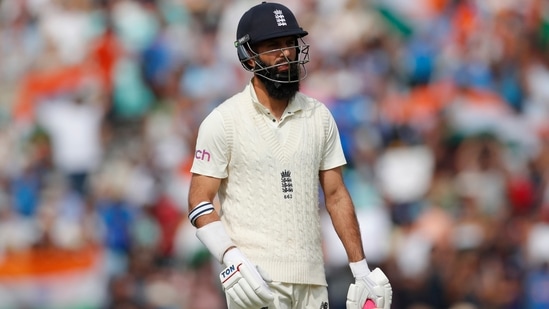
[{"x": 250, "y": 63}]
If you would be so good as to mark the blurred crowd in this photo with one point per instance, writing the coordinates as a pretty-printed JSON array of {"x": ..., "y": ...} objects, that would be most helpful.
[{"x": 443, "y": 108}]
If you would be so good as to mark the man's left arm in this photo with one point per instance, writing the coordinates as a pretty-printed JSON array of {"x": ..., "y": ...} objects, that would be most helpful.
[
  {"x": 373, "y": 285},
  {"x": 342, "y": 213}
]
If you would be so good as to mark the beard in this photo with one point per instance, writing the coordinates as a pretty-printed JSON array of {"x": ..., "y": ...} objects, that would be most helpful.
[{"x": 278, "y": 90}]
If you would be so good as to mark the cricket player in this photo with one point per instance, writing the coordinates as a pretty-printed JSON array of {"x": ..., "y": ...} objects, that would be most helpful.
[{"x": 264, "y": 152}]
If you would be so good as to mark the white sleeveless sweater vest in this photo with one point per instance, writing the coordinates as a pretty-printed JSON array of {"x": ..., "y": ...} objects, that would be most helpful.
[{"x": 270, "y": 197}]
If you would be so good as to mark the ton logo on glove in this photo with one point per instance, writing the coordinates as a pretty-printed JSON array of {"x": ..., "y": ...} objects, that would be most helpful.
[{"x": 226, "y": 273}]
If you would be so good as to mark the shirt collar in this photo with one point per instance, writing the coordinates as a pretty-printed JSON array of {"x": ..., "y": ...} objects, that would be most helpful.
[{"x": 297, "y": 103}]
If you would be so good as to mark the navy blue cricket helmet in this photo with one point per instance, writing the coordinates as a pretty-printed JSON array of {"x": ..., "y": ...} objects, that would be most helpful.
[{"x": 269, "y": 20}]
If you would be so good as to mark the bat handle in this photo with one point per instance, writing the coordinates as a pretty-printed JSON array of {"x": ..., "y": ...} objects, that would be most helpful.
[{"x": 369, "y": 304}]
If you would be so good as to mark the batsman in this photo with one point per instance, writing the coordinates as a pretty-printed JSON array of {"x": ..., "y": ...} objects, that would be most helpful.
[{"x": 265, "y": 153}]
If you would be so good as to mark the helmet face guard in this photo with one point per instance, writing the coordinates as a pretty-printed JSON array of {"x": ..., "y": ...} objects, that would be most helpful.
[
  {"x": 267, "y": 21},
  {"x": 296, "y": 67}
]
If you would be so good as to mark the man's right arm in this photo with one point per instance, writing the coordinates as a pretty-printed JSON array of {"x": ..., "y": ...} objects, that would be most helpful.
[
  {"x": 241, "y": 280},
  {"x": 203, "y": 189},
  {"x": 202, "y": 214}
]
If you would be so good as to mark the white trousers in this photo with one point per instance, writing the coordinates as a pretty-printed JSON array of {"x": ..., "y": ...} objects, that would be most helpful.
[{"x": 295, "y": 296}]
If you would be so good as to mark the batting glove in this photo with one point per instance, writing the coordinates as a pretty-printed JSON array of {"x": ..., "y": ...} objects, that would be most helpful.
[
  {"x": 375, "y": 286},
  {"x": 244, "y": 283}
]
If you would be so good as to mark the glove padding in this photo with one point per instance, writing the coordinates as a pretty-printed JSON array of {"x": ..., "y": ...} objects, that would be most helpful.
[
  {"x": 246, "y": 285},
  {"x": 374, "y": 286}
]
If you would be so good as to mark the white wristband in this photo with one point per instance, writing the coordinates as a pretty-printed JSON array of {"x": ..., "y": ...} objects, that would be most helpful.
[
  {"x": 215, "y": 238},
  {"x": 360, "y": 269},
  {"x": 233, "y": 256}
]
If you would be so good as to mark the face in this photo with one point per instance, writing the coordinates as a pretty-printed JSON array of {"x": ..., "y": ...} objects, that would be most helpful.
[
  {"x": 278, "y": 52},
  {"x": 281, "y": 73}
]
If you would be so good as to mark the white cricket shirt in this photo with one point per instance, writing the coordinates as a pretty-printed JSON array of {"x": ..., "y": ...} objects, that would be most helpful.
[{"x": 270, "y": 188}]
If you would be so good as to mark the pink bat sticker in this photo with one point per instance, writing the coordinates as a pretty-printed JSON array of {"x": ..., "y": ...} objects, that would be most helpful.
[{"x": 369, "y": 304}]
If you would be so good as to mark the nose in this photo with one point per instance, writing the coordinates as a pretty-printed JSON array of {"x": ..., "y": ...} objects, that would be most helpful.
[{"x": 286, "y": 52}]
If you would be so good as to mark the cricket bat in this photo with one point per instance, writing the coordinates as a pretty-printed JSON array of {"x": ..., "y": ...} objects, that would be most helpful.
[{"x": 369, "y": 304}]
